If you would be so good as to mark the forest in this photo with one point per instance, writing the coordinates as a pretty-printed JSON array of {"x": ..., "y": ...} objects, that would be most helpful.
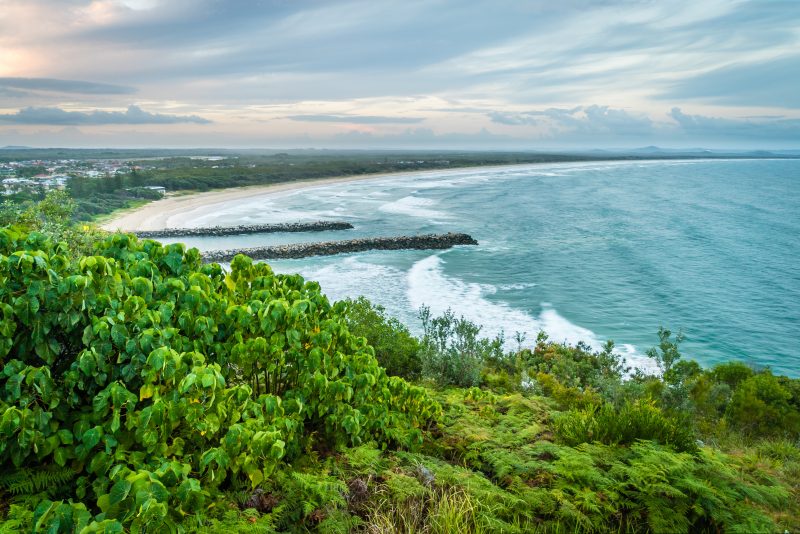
[{"x": 194, "y": 170}]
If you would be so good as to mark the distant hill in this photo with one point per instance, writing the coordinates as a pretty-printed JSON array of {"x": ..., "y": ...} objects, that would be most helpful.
[
  {"x": 12, "y": 152},
  {"x": 653, "y": 151}
]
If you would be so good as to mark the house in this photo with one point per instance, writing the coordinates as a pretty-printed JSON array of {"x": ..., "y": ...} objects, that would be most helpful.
[{"x": 158, "y": 188}]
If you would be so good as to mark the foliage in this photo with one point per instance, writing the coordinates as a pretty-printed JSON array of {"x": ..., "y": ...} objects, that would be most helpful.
[
  {"x": 451, "y": 351},
  {"x": 761, "y": 406},
  {"x": 18, "y": 519},
  {"x": 395, "y": 348},
  {"x": 161, "y": 382},
  {"x": 576, "y": 376},
  {"x": 52, "y": 217},
  {"x": 667, "y": 353},
  {"x": 47, "y": 479},
  {"x": 537, "y": 485},
  {"x": 143, "y": 391},
  {"x": 576, "y": 366},
  {"x": 632, "y": 422}
]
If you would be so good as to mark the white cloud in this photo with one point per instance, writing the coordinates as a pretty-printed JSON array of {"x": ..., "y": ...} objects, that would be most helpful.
[
  {"x": 133, "y": 115},
  {"x": 524, "y": 70}
]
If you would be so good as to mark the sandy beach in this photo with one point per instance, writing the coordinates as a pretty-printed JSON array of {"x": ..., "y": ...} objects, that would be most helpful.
[
  {"x": 168, "y": 212},
  {"x": 160, "y": 214}
]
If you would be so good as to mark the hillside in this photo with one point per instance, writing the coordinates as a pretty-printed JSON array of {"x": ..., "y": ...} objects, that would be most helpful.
[{"x": 143, "y": 391}]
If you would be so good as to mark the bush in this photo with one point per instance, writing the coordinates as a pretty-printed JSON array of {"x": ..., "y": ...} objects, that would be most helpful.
[
  {"x": 633, "y": 422},
  {"x": 576, "y": 367},
  {"x": 395, "y": 348},
  {"x": 731, "y": 373},
  {"x": 52, "y": 218},
  {"x": 760, "y": 406},
  {"x": 451, "y": 351},
  {"x": 159, "y": 381},
  {"x": 566, "y": 396}
]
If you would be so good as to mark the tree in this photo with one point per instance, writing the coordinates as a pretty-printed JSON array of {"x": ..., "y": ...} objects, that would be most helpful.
[
  {"x": 395, "y": 348},
  {"x": 667, "y": 352},
  {"x": 761, "y": 406}
]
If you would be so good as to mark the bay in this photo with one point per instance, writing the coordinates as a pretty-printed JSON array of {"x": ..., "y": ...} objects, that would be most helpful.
[{"x": 583, "y": 251}]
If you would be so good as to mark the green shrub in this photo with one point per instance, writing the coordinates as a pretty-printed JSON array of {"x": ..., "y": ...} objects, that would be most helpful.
[
  {"x": 451, "y": 351},
  {"x": 160, "y": 381},
  {"x": 395, "y": 348},
  {"x": 574, "y": 371},
  {"x": 760, "y": 406},
  {"x": 566, "y": 396},
  {"x": 522, "y": 482},
  {"x": 667, "y": 352},
  {"x": 626, "y": 425},
  {"x": 731, "y": 373}
]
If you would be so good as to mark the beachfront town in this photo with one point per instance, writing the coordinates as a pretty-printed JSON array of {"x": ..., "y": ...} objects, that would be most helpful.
[{"x": 46, "y": 174}]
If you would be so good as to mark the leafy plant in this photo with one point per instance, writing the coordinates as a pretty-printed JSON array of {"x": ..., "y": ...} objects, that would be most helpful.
[
  {"x": 760, "y": 405},
  {"x": 452, "y": 352},
  {"x": 395, "y": 348},
  {"x": 159, "y": 381},
  {"x": 634, "y": 421},
  {"x": 667, "y": 352}
]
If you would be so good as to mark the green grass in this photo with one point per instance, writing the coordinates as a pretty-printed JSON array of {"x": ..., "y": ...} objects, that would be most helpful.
[{"x": 132, "y": 206}]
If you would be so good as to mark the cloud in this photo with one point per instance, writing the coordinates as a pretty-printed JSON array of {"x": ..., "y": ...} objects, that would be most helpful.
[
  {"x": 58, "y": 116},
  {"x": 529, "y": 69},
  {"x": 421, "y": 138},
  {"x": 580, "y": 120},
  {"x": 703, "y": 127},
  {"x": 66, "y": 86},
  {"x": 514, "y": 119},
  {"x": 356, "y": 119},
  {"x": 768, "y": 83},
  {"x": 604, "y": 126},
  {"x": 12, "y": 93}
]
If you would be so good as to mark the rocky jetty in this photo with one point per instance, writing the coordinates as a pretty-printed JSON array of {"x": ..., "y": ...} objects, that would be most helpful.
[
  {"x": 303, "y": 250},
  {"x": 317, "y": 226}
]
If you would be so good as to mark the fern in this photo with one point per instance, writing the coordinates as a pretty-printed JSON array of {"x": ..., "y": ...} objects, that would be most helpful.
[
  {"x": 308, "y": 498},
  {"x": 233, "y": 522},
  {"x": 18, "y": 519},
  {"x": 36, "y": 480}
]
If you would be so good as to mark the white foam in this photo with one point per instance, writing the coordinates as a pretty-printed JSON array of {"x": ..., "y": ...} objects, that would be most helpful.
[
  {"x": 353, "y": 276},
  {"x": 414, "y": 207},
  {"x": 516, "y": 287},
  {"x": 429, "y": 286},
  {"x": 254, "y": 210}
]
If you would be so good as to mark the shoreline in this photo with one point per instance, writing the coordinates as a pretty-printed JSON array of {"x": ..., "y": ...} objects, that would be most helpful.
[{"x": 156, "y": 215}]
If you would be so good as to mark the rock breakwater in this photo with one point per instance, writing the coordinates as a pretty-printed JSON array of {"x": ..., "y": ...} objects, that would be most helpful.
[
  {"x": 327, "y": 248},
  {"x": 316, "y": 226}
]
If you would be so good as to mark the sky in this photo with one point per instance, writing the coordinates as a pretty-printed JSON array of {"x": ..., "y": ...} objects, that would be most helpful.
[{"x": 456, "y": 74}]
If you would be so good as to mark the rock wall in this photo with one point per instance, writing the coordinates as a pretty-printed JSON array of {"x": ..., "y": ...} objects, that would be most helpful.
[
  {"x": 327, "y": 248},
  {"x": 317, "y": 226}
]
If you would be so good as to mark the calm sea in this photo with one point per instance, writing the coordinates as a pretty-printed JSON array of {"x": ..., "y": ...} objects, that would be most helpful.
[{"x": 589, "y": 251}]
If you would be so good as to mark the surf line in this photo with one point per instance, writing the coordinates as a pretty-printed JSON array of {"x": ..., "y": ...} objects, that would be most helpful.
[{"x": 329, "y": 248}]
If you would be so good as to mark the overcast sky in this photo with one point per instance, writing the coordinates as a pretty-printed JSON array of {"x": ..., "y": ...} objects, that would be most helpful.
[{"x": 435, "y": 73}]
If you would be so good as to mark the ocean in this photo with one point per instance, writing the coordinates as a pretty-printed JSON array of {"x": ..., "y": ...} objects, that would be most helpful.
[{"x": 584, "y": 251}]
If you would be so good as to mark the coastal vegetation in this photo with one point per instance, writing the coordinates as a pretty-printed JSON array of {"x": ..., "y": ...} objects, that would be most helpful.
[
  {"x": 189, "y": 170},
  {"x": 144, "y": 391}
]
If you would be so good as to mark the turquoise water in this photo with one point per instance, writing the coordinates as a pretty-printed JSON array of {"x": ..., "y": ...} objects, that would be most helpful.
[{"x": 590, "y": 251}]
